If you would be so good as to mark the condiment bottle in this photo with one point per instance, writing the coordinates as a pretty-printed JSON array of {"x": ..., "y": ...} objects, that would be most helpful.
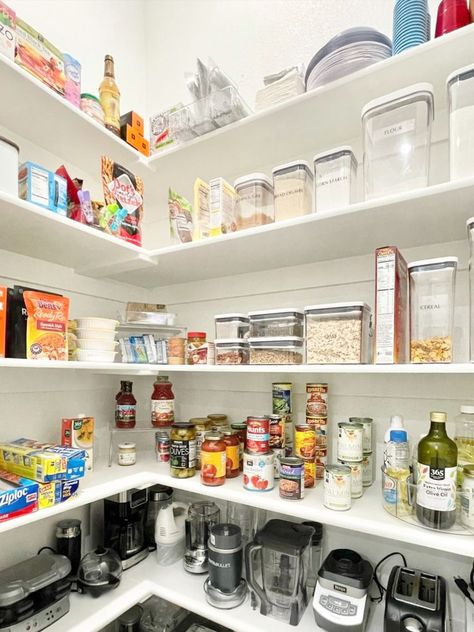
[
  {"x": 125, "y": 407},
  {"x": 162, "y": 403},
  {"x": 110, "y": 97},
  {"x": 213, "y": 459},
  {"x": 232, "y": 442}
]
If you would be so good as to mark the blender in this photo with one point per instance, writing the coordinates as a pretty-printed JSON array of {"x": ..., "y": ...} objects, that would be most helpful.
[
  {"x": 277, "y": 567},
  {"x": 200, "y": 518}
]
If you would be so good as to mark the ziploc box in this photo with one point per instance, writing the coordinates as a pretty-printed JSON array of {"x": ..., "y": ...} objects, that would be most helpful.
[
  {"x": 56, "y": 492},
  {"x": 7, "y": 31},
  {"x": 42, "y": 187},
  {"x": 18, "y": 496}
]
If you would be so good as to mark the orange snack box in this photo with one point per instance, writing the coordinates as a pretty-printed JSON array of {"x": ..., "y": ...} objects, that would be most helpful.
[
  {"x": 46, "y": 328},
  {"x": 3, "y": 320},
  {"x": 134, "y": 120},
  {"x": 133, "y": 138}
]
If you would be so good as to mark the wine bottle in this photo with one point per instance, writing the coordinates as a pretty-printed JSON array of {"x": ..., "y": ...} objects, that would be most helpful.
[
  {"x": 110, "y": 97},
  {"x": 436, "y": 476}
]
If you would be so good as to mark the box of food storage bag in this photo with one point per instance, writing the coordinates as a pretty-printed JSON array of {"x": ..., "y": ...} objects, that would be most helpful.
[{"x": 18, "y": 496}]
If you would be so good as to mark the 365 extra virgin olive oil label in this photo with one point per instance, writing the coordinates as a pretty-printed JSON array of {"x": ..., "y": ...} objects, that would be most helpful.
[
  {"x": 183, "y": 454},
  {"x": 436, "y": 487}
]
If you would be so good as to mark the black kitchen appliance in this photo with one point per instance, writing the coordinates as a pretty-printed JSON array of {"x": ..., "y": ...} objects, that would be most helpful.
[
  {"x": 34, "y": 593},
  {"x": 124, "y": 518},
  {"x": 415, "y": 602},
  {"x": 99, "y": 571}
]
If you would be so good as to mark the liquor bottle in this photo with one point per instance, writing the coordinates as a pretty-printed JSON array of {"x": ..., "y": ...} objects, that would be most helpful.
[
  {"x": 110, "y": 97},
  {"x": 436, "y": 480}
]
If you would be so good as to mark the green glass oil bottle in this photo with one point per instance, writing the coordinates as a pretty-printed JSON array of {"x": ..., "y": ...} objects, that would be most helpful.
[{"x": 437, "y": 471}]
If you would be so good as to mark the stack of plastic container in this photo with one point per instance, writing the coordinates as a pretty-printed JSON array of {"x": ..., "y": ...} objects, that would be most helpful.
[
  {"x": 411, "y": 24},
  {"x": 96, "y": 339}
]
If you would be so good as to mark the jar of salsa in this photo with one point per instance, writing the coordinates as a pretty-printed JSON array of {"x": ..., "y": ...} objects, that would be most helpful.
[
  {"x": 125, "y": 407},
  {"x": 213, "y": 459},
  {"x": 182, "y": 450},
  {"x": 162, "y": 403},
  {"x": 232, "y": 464},
  {"x": 218, "y": 421},
  {"x": 241, "y": 430},
  {"x": 202, "y": 425}
]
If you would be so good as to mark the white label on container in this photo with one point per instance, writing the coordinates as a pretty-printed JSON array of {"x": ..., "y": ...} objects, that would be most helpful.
[
  {"x": 39, "y": 187},
  {"x": 433, "y": 310},
  {"x": 436, "y": 487},
  {"x": 403, "y": 127}
]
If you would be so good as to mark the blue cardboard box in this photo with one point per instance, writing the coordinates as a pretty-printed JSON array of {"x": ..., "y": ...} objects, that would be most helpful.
[{"x": 42, "y": 187}]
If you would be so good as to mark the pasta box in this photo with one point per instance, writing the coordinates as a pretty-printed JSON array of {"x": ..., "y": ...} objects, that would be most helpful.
[{"x": 18, "y": 496}]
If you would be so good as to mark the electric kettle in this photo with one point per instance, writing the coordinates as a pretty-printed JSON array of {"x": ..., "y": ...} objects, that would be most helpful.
[{"x": 170, "y": 532}]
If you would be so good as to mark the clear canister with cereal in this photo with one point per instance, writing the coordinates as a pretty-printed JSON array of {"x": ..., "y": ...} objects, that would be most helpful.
[{"x": 232, "y": 351}]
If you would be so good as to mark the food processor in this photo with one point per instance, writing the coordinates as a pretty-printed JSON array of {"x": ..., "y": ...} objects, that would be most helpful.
[
  {"x": 280, "y": 557},
  {"x": 200, "y": 518}
]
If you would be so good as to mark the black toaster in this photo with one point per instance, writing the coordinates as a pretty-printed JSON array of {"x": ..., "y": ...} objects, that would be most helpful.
[{"x": 415, "y": 602}]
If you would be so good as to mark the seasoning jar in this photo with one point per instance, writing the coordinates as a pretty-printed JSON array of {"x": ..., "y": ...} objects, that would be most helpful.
[
  {"x": 203, "y": 425},
  {"x": 432, "y": 284},
  {"x": 335, "y": 176},
  {"x": 196, "y": 340},
  {"x": 218, "y": 421},
  {"x": 213, "y": 459},
  {"x": 162, "y": 403},
  {"x": 293, "y": 190},
  {"x": 241, "y": 430},
  {"x": 91, "y": 106},
  {"x": 232, "y": 442},
  {"x": 461, "y": 122},
  {"x": 125, "y": 406},
  {"x": 467, "y": 496},
  {"x": 127, "y": 453},
  {"x": 254, "y": 200},
  {"x": 182, "y": 450}
]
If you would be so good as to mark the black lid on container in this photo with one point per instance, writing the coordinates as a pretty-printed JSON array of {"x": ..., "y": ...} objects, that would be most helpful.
[
  {"x": 287, "y": 537},
  {"x": 318, "y": 531},
  {"x": 225, "y": 536},
  {"x": 348, "y": 566},
  {"x": 131, "y": 616},
  {"x": 159, "y": 492}
]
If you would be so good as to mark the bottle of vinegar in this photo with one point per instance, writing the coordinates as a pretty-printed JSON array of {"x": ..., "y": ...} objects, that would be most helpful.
[
  {"x": 436, "y": 476},
  {"x": 109, "y": 95}
]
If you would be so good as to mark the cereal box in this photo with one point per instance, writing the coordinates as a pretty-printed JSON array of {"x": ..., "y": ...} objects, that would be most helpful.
[
  {"x": 7, "y": 31},
  {"x": 78, "y": 432},
  {"x": 18, "y": 496}
]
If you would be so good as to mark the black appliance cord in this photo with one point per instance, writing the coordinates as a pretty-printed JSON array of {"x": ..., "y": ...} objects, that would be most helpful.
[{"x": 377, "y": 582}]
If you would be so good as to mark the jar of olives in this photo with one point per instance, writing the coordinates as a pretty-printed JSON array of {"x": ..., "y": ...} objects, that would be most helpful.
[
  {"x": 182, "y": 450},
  {"x": 202, "y": 425}
]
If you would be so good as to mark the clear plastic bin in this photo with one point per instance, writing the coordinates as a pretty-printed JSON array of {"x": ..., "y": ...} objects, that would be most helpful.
[
  {"x": 232, "y": 325},
  {"x": 338, "y": 333},
  {"x": 255, "y": 200},
  {"x": 335, "y": 177},
  {"x": 432, "y": 283},
  {"x": 461, "y": 122},
  {"x": 397, "y": 138},
  {"x": 292, "y": 190},
  {"x": 276, "y": 350},
  {"x": 232, "y": 351},
  {"x": 277, "y": 322}
]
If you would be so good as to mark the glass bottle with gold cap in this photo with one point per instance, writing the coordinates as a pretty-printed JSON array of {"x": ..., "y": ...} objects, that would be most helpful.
[
  {"x": 436, "y": 476},
  {"x": 110, "y": 97}
]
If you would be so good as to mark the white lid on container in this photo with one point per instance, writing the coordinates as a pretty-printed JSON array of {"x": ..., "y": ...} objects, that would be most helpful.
[
  {"x": 253, "y": 178},
  {"x": 275, "y": 340},
  {"x": 432, "y": 262},
  {"x": 336, "y": 306},
  {"x": 410, "y": 91},
  {"x": 272, "y": 312},
  {"x": 456, "y": 74},
  {"x": 469, "y": 410},
  {"x": 294, "y": 165},
  {"x": 9, "y": 142},
  {"x": 231, "y": 316},
  {"x": 470, "y": 222},
  {"x": 127, "y": 446},
  {"x": 231, "y": 341},
  {"x": 344, "y": 149}
]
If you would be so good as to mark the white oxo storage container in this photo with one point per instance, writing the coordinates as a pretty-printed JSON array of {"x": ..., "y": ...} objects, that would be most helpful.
[
  {"x": 335, "y": 176},
  {"x": 232, "y": 325},
  {"x": 276, "y": 350},
  {"x": 292, "y": 190},
  {"x": 397, "y": 139},
  {"x": 461, "y": 122},
  {"x": 254, "y": 205},
  {"x": 277, "y": 322},
  {"x": 9, "y": 152}
]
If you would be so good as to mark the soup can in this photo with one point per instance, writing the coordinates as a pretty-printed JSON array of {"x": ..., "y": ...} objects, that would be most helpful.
[
  {"x": 258, "y": 435},
  {"x": 259, "y": 472},
  {"x": 277, "y": 431},
  {"x": 356, "y": 478},
  {"x": 367, "y": 439},
  {"x": 281, "y": 398},
  {"x": 279, "y": 454},
  {"x": 350, "y": 442},
  {"x": 368, "y": 470},
  {"x": 162, "y": 446},
  {"x": 305, "y": 441},
  {"x": 337, "y": 487},
  {"x": 316, "y": 400},
  {"x": 309, "y": 473},
  {"x": 321, "y": 462},
  {"x": 291, "y": 478}
]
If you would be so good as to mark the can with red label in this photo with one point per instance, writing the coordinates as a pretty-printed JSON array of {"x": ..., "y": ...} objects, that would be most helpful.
[
  {"x": 162, "y": 446},
  {"x": 258, "y": 435},
  {"x": 316, "y": 400},
  {"x": 277, "y": 431},
  {"x": 305, "y": 441},
  {"x": 259, "y": 472},
  {"x": 321, "y": 462}
]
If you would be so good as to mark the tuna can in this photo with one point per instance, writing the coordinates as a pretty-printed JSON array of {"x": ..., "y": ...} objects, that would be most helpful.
[
  {"x": 356, "y": 478},
  {"x": 281, "y": 398},
  {"x": 279, "y": 454},
  {"x": 305, "y": 441},
  {"x": 258, "y": 472},
  {"x": 309, "y": 473},
  {"x": 321, "y": 462},
  {"x": 277, "y": 431},
  {"x": 316, "y": 400},
  {"x": 349, "y": 442},
  {"x": 368, "y": 470},
  {"x": 292, "y": 478},
  {"x": 162, "y": 446},
  {"x": 367, "y": 424},
  {"x": 337, "y": 487},
  {"x": 258, "y": 435}
]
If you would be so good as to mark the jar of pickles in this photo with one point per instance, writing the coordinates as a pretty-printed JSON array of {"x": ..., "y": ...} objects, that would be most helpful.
[
  {"x": 202, "y": 425},
  {"x": 182, "y": 450},
  {"x": 213, "y": 459},
  {"x": 232, "y": 442}
]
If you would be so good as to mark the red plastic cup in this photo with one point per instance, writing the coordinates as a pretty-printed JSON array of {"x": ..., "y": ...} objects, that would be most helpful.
[{"x": 452, "y": 15}]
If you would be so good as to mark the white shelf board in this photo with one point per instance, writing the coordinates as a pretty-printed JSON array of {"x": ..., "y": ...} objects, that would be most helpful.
[
  {"x": 312, "y": 122},
  {"x": 415, "y": 218}
]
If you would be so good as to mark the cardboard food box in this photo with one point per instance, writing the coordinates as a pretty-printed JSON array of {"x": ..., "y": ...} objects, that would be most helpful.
[
  {"x": 133, "y": 138},
  {"x": 3, "y": 321},
  {"x": 222, "y": 200},
  {"x": 56, "y": 492},
  {"x": 78, "y": 432},
  {"x": 42, "y": 187},
  {"x": 38, "y": 56},
  {"x": 391, "y": 306},
  {"x": 134, "y": 120},
  {"x": 7, "y": 31},
  {"x": 72, "y": 86},
  {"x": 18, "y": 496}
]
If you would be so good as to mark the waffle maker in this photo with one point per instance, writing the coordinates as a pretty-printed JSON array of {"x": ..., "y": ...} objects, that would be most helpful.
[{"x": 34, "y": 594}]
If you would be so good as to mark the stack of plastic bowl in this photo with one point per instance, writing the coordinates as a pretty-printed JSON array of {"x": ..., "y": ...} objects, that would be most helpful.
[
  {"x": 96, "y": 339},
  {"x": 452, "y": 15},
  {"x": 411, "y": 24},
  {"x": 346, "y": 53}
]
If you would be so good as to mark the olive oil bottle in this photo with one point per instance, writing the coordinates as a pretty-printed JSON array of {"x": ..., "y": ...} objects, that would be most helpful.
[
  {"x": 436, "y": 476},
  {"x": 109, "y": 95}
]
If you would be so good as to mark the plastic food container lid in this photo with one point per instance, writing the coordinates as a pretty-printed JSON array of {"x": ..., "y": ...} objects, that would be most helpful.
[
  {"x": 333, "y": 153},
  {"x": 127, "y": 446},
  {"x": 274, "y": 312},
  {"x": 292, "y": 166},
  {"x": 458, "y": 74},
  {"x": 424, "y": 263},
  {"x": 196, "y": 334},
  {"x": 255, "y": 178},
  {"x": 336, "y": 306},
  {"x": 9, "y": 142},
  {"x": 469, "y": 410},
  {"x": 416, "y": 89},
  {"x": 235, "y": 316},
  {"x": 231, "y": 341},
  {"x": 86, "y": 95},
  {"x": 470, "y": 222}
]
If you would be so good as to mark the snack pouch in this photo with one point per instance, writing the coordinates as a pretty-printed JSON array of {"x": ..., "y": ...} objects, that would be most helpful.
[
  {"x": 181, "y": 218},
  {"x": 46, "y": 328}
]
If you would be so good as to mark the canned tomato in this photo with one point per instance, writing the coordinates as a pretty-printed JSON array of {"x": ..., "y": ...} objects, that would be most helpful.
[
  {"x": 305, "y": 441},
  {"x": 368, "y": 470},
  {"x": 277, "y": 431},
  {"x": 281, "y": 398},
  {"x": 349, "y": 442},
  {"x": 279, "y": 454},
  {"x": 162, "y": 446},
  {"x": 258, "y": 435},
  {"x": 321, "y": 462},
  {"x": 356, "y": 478},
  {"x": 258, "y": 471},
  {"x": 337, "y": 487},
  {"x": 309, "y": 472},
  {"x": 316, "y": 400},
  {"x": 292, "y": 481},
  {"x": 367, "y": 438}
]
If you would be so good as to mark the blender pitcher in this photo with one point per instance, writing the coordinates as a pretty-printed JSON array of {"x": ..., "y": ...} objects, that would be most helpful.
[
  {"x": 200, "y": 518},
  {"x": 280, "y": 558}
]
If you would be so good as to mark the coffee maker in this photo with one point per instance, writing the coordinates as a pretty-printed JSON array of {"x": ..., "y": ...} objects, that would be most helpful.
[
  {"x": 200, "y": 518},
  {"x": 124, "y": 518}
]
